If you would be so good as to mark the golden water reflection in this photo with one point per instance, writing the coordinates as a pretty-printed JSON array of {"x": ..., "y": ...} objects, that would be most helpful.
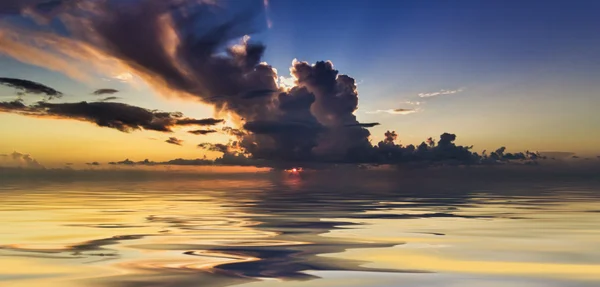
[{"x": 272, "y": 230}]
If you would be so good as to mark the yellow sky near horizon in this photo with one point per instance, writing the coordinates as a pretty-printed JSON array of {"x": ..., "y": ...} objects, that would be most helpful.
[{"x": 54, "y": 142}]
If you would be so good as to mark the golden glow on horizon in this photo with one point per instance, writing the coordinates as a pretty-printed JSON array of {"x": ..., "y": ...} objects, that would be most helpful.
[{"x": 55, "y": 142}]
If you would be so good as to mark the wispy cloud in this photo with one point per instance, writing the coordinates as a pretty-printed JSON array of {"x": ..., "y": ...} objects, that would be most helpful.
[
  {"x": 440, "y": 93},
  {"x": 413, "y": 103},
  {"x": 394, "y": 111},
  {"x": 269, "y": 22},
  {"x": 123, "y": 77}
]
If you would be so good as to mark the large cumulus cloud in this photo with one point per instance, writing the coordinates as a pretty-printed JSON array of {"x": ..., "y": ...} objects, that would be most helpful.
[{"x": 177, "y": 45}]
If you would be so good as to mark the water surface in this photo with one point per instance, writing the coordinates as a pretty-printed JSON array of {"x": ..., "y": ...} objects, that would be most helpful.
[{"x": 272, "y": 229}]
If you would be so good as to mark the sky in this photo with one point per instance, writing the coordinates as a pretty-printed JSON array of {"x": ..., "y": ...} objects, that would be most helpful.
[{"x": 520, "y": 74}]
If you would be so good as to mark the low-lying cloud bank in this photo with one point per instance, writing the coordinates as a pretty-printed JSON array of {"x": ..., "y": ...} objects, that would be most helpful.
[
  {"x": 387, "y": 152},
  {"x": 226, "y": 160},
  {"x": 17, "y": 159}
]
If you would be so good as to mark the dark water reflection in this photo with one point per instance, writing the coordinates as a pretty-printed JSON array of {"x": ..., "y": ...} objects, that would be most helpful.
[{"x": 257, "y": 228}]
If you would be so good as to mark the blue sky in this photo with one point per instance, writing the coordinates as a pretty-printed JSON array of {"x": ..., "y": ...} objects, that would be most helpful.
[{"x": 532, "y": 65}]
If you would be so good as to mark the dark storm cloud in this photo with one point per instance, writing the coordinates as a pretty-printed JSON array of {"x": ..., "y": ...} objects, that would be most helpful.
[
  {"x": 120, "y": 116},
  {"x": 100, "y": 92},
  {"x": 258, "y": 94},
  {"x": 308, "y": 121},
  {"x": 174, "y": 140},
  {"x": 314, "y": 119},
  {"x": 250, "y": 94},
  {"x": 202, "y": 132},
  {"x": 12, "y": 6},
  {"x": 336, "y": 100},
  {"x": 30, "y": 87},
  {"x": 279, "y": 127}
]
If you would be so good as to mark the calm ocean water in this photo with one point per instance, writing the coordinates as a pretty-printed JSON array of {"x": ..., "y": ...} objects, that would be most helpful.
[{"x": 329, "y": 229}]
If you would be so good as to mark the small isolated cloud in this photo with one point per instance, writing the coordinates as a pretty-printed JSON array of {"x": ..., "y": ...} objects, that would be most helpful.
[
  {"x": 174, "y": 140},
  {"x": 95, "y": 163},
  {"x": 202, "y": 132},
  {"x": 199, "y": 122},
  {"x": 17, "y": 159},
  {"x": 123, "y": 77},
  {"x": 413, "y": 103},
  {"x": 100, "y": 92},
  {"x": 30, "y": 87},
  {"x": 440, "y": 93},
  {"x": 394, "y": 111}
]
